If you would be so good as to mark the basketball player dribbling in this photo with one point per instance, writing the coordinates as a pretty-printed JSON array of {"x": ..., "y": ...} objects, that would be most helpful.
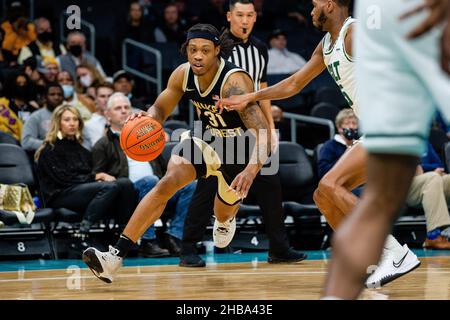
[
  {"x": 400, "y": 83},
  {"x": 333, "y": 196},
  {"x": 205, "y": 75}
]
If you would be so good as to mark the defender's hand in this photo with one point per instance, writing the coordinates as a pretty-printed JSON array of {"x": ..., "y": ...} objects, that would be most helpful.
[
  {"x": 237, "y": 103},
  {"x": 445, "y": 48},
  {"x": 439, "y": 10}
]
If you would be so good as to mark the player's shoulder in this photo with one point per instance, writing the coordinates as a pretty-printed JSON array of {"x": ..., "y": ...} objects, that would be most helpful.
[
  {"x": 239, "y": 76},
  {"x": 182, "y": 68},
  {"x": 180, "y": 73}
]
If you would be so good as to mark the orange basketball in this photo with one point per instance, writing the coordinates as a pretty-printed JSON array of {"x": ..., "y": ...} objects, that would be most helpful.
[{"x": 142, "y": 139}]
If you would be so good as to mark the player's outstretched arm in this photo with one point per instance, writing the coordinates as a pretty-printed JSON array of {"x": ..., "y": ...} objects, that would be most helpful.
[
  {"x": 284, "y": 89},
  {"x": 168, "y": 99},
  {"x": 445, "y": 45},
  {"x": 439, "y": 11},
  {"x": 238, "y": 84}
]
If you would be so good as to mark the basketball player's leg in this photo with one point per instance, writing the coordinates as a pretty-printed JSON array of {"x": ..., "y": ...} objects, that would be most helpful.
[
  {"x": 223, "y": 211},
  {"x": 225, "y": 223},
  {"x": 180, "y": 172},
  {"x": 359, "y": 241},
  {"x": 395, "y": 112},
  {"x": 333, "y": 196},
  {"x": 105, "y": 265}
]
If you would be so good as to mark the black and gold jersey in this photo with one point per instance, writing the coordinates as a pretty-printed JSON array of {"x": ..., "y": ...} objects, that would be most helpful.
[{"x": 228, "y": 124}]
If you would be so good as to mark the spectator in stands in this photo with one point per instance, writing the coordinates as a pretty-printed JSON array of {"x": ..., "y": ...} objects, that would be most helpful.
[
  {"x": 50, "y": 69},
  {"x": 428, "y": 190},
  {"x": 136, "y": 27},
  {"x": 182, "y": 12},
  {"x": 281, "y": 60},
  {"x": 44, "y": 46},
  {"x": 36, "y": 75},
  {"x": 170, "y": 29},
  {"x": 215, "y": 13},
  {"x": 109, "y": 157},
  {"x": 429, "y": 184},
  {"x": 17, "y": 106},
  {"x": 19, "y": 32},
  {"x": 67, "y": 181},
  {"x": 347, "y": 127},
  {"x": 37, "y": 126},
  {"x": 77, "y": 54},
  {"x": 83, "y": 104},
  {"x": 264, "y": 20},
  {"x": 88, "y": 78},
  {"x": 124, "y": 82},
  {"x": 2, "y": 59},
  {"x": 280, "y": 123},
  {"x": 299, "y": 10},
  {"x": 96, "y": 126}
]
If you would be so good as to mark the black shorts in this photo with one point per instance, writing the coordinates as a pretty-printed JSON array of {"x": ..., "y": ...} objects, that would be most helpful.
[{"x": 207, "y": 162}]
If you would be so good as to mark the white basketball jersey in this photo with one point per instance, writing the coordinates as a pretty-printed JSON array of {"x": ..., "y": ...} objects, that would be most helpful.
[{"x": 340, "y": 65}]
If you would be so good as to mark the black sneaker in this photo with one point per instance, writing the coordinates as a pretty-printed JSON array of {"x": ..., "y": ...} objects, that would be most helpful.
[
  {"x": 291, "y": 256},
  {"x": 192, "y": 260},
  {"x": 150, "y": 249},
  {"x": 174, "y": 245}
]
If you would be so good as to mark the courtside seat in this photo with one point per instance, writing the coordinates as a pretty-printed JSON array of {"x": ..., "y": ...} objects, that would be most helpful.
[
  {"x": 22, "y": 240},
  {"x": 45, "y": 215}
]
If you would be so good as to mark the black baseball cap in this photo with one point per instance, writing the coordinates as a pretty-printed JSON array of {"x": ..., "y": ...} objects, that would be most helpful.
[
  {"x": 275, "y": 33},
  {"x": 122, "y": 74}
]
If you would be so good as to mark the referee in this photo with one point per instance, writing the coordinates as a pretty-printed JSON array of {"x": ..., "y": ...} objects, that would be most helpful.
[{"x": 251, "y": 55}]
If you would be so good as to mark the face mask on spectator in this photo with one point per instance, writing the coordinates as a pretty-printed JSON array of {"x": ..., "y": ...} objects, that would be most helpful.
[
  {"x": 68, "y": 91},
  {"x": 86, "y": 80},
  {"x": 350, "y": 134},
  {"x": 76, "y": 50},
  {"x": 45, "y": 37}
]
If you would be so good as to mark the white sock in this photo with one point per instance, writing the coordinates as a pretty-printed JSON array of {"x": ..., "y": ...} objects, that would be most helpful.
[{"x": 392, "y": 243}]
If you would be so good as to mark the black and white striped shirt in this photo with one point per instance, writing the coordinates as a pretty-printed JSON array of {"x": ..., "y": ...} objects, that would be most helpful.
[{"x": 251, "y": 56}]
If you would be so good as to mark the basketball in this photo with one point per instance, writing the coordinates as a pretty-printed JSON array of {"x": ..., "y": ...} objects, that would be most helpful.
[{"x": 142, "y": 139}]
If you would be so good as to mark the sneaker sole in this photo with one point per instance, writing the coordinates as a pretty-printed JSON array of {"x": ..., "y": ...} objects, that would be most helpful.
[
  {"x": 91, "y": 260},
  {"x": 392, "y": 278},
  {"x": 275, "y": 261}
]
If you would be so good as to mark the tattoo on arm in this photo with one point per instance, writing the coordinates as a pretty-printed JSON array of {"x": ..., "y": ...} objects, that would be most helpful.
[
  {"x": 233, "y": 89},
  {"x": 254, "y": 119}
]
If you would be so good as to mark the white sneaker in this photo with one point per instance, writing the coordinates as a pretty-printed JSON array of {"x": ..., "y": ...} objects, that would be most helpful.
[
  {"x": 393, "y": 264},
  {"x": 223, "y": 232},
  {"x": 104, "y": 265}
]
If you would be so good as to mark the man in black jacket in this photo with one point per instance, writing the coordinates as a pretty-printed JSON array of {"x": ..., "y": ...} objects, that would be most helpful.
[{"x": 109, "y": 157}]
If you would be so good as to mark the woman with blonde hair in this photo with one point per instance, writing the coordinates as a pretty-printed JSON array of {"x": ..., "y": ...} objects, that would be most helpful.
[{"x": 65, "y": 173}]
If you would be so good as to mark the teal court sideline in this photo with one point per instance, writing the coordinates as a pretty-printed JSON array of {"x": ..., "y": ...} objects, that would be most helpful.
[{"x": 211, "y": 259}]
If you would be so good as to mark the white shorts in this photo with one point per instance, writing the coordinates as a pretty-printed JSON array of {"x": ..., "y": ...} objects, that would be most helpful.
[{"x": 399, "y": 81}]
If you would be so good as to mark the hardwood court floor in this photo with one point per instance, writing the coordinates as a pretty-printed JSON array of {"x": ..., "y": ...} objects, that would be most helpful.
[{"x": 224, "y": 281}]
